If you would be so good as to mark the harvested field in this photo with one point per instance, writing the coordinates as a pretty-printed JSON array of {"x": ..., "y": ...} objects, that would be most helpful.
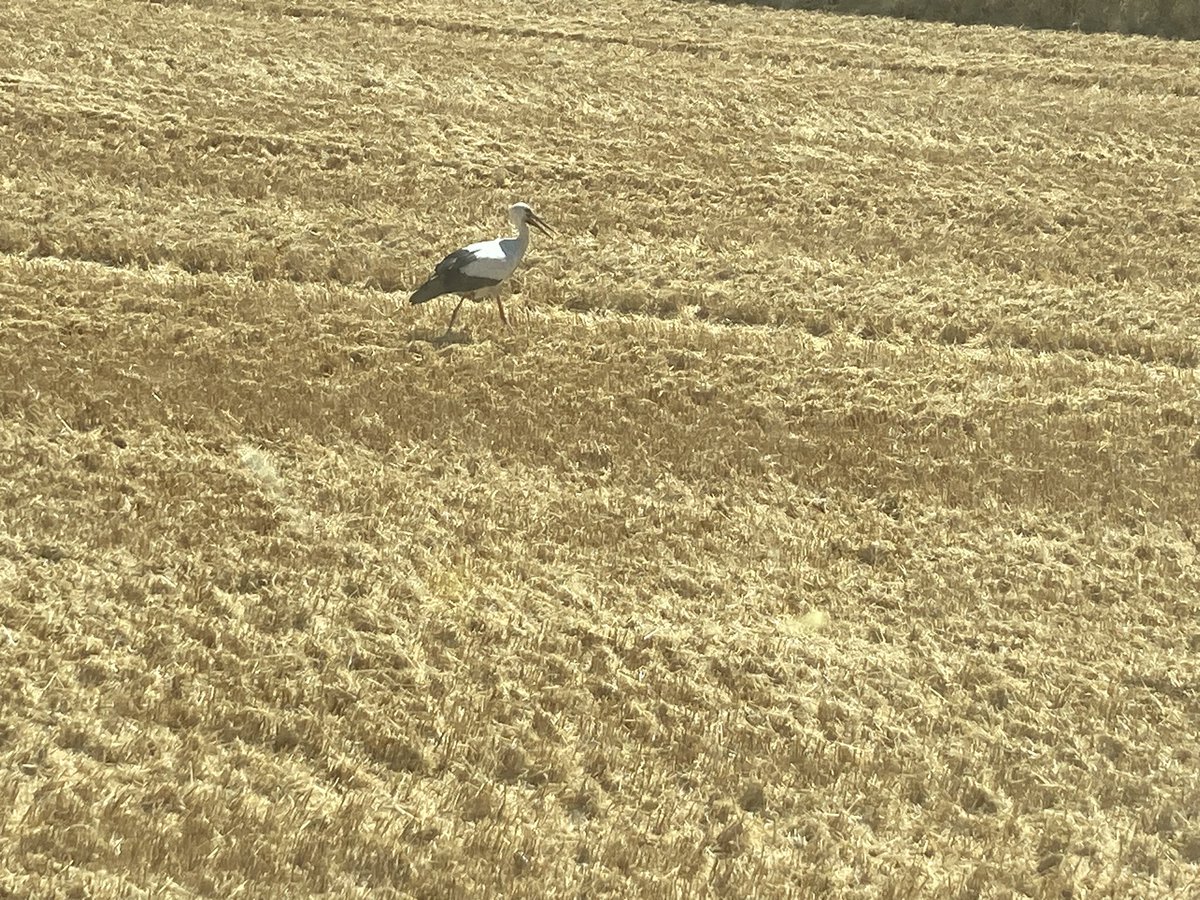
[{"x": 826, "y": 524}]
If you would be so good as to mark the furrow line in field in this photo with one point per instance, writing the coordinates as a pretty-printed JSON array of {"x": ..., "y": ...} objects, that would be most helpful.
[{"x": 1181, "y": 357}]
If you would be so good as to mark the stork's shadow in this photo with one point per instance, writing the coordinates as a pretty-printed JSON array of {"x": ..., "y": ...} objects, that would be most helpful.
[{"x": 442, "y": 338}]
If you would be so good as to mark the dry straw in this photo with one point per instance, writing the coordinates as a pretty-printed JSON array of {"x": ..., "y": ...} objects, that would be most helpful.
[{"x": 825, "y": 525}]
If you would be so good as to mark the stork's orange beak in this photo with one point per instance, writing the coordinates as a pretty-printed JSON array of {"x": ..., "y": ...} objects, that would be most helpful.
[{"x": 536, "y": 221}]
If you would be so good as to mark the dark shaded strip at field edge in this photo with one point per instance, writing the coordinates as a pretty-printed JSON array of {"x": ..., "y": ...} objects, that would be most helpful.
[{"x": 1150, "y": 18}]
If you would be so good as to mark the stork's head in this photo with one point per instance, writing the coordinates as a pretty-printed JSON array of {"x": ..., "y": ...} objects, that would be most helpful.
[{"x": 520, "y": 213}]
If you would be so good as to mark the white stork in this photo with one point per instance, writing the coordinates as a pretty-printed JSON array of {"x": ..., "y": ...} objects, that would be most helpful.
[{"x": 475, "y": 271}]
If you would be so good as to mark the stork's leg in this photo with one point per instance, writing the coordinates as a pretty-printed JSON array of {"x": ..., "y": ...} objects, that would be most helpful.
[
  {"x": 500, "y": 306},
  {"x": 454, "y": 315}
]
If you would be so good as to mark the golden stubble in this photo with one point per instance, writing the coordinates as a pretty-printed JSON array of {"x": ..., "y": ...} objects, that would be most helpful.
[{"x": 824, "y": 525}]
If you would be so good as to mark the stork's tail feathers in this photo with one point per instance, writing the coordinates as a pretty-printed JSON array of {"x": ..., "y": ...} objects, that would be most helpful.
[{"x": 434, "y": 287}]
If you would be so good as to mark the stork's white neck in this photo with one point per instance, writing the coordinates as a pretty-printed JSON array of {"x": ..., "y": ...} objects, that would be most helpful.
[
  {"x": 513, "y": 248},
  {"x": 522, "y": 238}
]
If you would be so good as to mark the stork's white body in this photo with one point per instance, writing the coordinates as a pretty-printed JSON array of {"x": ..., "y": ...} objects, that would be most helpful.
[{"x": 497, "y": 260}]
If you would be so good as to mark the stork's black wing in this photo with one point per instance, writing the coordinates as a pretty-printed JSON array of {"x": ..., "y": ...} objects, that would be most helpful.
[
  {"x": 449, "y": 278},
  {"x": 454, "y": 262}
]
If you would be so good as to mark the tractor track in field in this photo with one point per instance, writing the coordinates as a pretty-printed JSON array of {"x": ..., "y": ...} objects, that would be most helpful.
[{"x": 1148, "y": 80}]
